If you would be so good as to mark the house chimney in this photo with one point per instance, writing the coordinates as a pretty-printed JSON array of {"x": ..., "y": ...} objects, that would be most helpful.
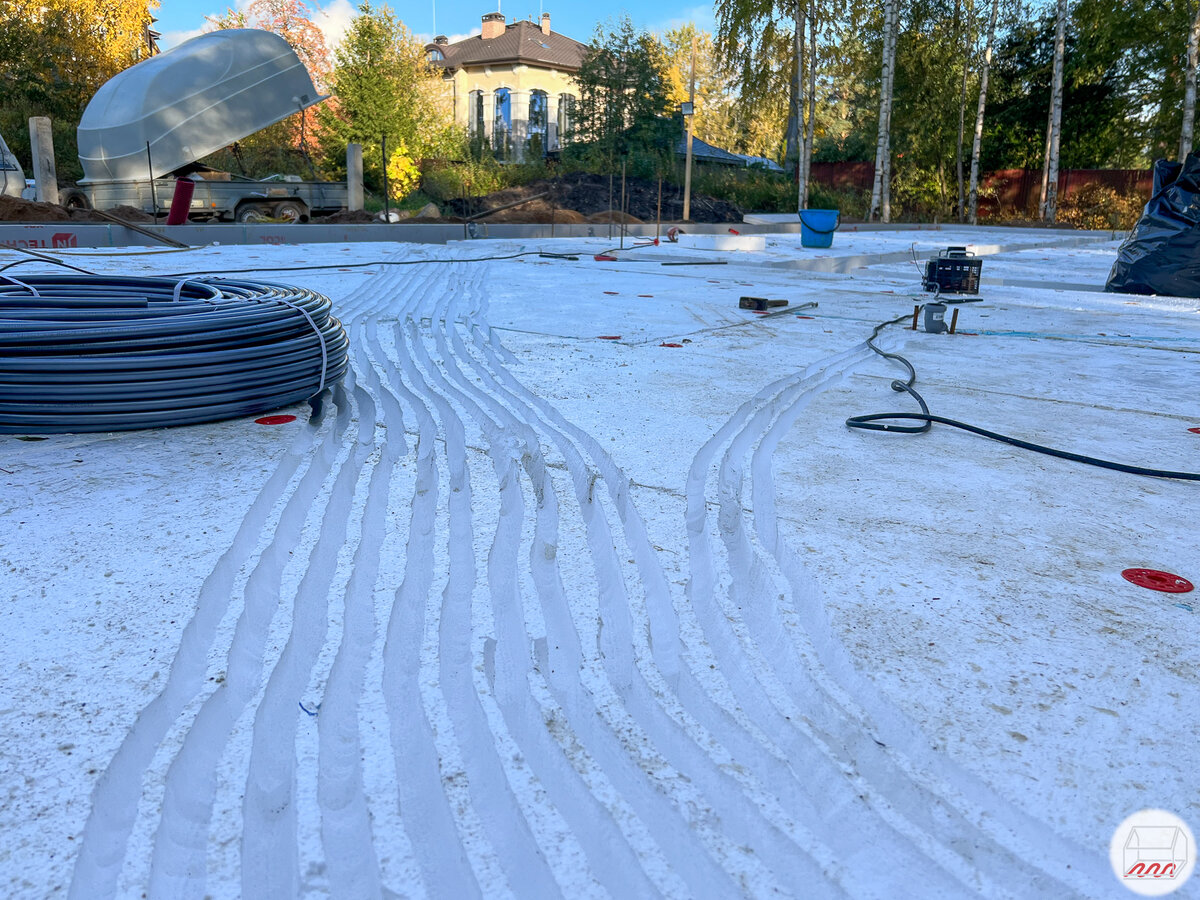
[
  {"x": 493, "y": 25},
  {"x": 441, "y": 40},
  {"x": 545, "y": 23}
]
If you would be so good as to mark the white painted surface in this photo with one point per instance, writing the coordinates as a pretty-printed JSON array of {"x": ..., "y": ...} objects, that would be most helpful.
[
  {"x": 729, "y": 243},
  {"x": 591, "y": 617}
]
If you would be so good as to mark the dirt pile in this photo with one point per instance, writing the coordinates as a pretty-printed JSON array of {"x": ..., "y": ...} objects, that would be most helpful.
[
  {"x": 589, "y": 195},
  {"x": 13, "y": 209},
  {"x": 347, "y": 217},
  {"x": 128, "y": 213},
  {"x": 535, "y": 212}
]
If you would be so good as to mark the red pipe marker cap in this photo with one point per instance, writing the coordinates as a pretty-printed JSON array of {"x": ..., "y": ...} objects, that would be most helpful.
[
  {"x": 1158, "y": 581},
  {"x": 670, "y": 345},
  {"x": 274, "y": 420},
  {"x": 608, "y": 337},
  {"x": 1194, "y": 430},
  {"x": 611, "y": 293}
]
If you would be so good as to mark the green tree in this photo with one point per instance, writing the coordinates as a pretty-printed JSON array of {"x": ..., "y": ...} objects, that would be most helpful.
[
  {"x": 383, "y": 87},
  {"x": 285, "y": 145},
  {"x": 928, "y": 106},
  {"x": 762, "y": 40},
  {"x": 721, "y": 118},
  {"x": 54, "y": 56},
  {"x": 624, "y": 106},
  {"x": 1108, "y": 117}
]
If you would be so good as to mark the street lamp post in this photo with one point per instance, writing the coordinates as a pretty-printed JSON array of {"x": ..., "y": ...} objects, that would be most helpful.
[{"x": 688, "y": 109}]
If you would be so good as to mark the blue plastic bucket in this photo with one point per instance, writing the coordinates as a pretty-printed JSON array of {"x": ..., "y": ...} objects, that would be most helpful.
[{"x": 817, "y": 227}]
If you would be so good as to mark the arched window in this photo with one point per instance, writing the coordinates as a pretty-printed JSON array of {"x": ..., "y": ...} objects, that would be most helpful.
[
  {"x": 502, "y": 121},
  {"x": 433, "y": 55},
  {"x": 566, "y": 116}
]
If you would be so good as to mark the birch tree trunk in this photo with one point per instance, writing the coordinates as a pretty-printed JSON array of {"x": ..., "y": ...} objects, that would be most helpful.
[
  {"x": 880, "y": 187},
  {"x": 1046, "y": 161},
  {"x": 1056, "y": 101},
  {"x": 806, "y": 162},
  {"x": 795, "y": 128},
  {"x": 1189, "y": 89},
  {"x": 962, "y": 116},
  {"x": 801, "y": 144},
  {"x": 973, "y": 192}
]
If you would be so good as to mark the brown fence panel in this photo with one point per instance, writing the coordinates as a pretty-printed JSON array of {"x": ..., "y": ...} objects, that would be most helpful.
[
  {"x": 1006, "y": 192},
  {"x": 1123, "y": 181},
  {"x": 859, "y": 175}
]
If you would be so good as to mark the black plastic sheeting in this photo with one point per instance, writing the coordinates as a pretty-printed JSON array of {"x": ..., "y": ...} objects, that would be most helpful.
[
  {"x": 1162, "y": 253},
  {"x": 82, "y": 353}
]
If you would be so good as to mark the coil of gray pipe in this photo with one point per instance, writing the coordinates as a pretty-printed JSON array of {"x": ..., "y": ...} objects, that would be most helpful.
[{"x": 82, "y": 353}]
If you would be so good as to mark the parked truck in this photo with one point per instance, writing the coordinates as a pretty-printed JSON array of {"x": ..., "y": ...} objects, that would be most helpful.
[{"x": 149, "y": 125}]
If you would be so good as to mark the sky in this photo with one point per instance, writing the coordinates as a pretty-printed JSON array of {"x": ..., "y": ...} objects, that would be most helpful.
[{"x": 457, "y": 19}]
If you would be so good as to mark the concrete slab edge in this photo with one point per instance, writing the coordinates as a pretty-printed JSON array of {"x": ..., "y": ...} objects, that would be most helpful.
[{"x": 51, "y": 236}]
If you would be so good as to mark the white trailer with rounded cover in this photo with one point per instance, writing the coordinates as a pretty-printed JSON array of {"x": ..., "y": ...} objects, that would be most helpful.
[{"x": 148, "y": 126}]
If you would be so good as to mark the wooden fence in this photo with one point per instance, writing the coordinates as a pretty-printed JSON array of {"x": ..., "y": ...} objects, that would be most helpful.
[{"x": 1008, "y": 191}]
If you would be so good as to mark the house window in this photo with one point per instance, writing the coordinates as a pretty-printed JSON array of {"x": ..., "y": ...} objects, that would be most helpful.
[
  {"x": 566, "y": 116},
  {"x": 477, "y": 124},
  {"x": 539, "y": 122},
  {"x": 502, "y": 123},
  {"x": 435, "y": 56},
  {"x": 539, "y": 107}
]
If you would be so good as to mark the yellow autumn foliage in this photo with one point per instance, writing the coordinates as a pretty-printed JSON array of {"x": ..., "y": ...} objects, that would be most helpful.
[
  {"x": 84, "y": 43},
  {"x": 404, "y": 176}
]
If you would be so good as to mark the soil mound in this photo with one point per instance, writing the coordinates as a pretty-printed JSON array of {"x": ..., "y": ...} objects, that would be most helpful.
[
  {"x": 128, "y": 213},
  {"x": 14, "y": 209},
  {"x": 615, "y": 216},
  {"x": 535, "y": 212},
  {"x": 348, "y": 217}
]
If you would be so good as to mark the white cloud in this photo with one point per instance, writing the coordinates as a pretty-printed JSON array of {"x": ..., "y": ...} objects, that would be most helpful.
[
  {"x": 702, "y": 16},
  {"x": 452, "y": 38},
  {"x": 172, "y": 39},
  {"x": 334, "y": 20}
]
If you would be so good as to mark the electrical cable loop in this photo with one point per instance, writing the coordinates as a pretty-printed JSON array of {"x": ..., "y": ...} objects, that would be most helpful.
[
  {"x": 82, "y": 353},
  {"x": 877, "y": 421}
]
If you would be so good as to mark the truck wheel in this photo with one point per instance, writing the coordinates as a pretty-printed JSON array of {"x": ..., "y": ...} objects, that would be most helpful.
[
  {"x": 291, "y": 211},
  {"x": 250, "y": 213},
  {"x": 75, "y": 200}
]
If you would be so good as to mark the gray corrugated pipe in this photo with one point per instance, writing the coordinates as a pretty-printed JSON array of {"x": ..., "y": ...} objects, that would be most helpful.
[{"x": 99, "y": 353}]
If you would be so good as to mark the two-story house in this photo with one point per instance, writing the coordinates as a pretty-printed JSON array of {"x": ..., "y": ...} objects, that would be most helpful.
[{"x": 513, "y": 84}]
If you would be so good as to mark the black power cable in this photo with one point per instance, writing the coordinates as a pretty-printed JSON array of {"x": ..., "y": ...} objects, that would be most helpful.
[
  {"x": 878, "y": 421},
  {"x": 43, "y": 259},
  {"x": 542, "y": 254},
  {"x": 390, "y": 262},
  {"x": 81, "y": 353}
]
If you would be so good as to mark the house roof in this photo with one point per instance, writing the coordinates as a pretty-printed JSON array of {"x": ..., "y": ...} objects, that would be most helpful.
[
  {"x": 522, "y": 42},
  {"x": 706, "y": 152},
  {"x": 702, "y": 150}
]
